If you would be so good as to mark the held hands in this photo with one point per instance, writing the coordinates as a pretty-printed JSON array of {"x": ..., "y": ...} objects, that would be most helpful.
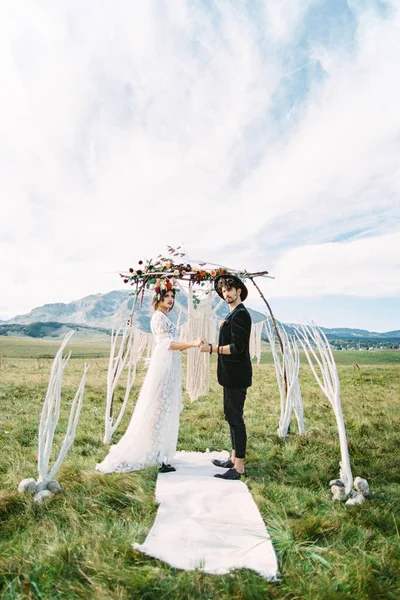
[
  {"x": 202, "y": 345},
  {"x": 198, "y": 343},
  {"x": 205, "y": 347}
]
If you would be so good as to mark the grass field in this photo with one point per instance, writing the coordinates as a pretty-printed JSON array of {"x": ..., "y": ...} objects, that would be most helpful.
[{"x": 80, "y": 544}]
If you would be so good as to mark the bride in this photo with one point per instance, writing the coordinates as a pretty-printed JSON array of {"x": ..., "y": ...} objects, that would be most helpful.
[{"x": 152, "y": 434}]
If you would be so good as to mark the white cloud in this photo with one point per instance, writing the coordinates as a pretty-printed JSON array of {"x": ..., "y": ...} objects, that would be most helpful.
[
  {"x": 365, "y": 268},
  {"x": 134, "y": 125},
  {"x": 342, "y": 158},
  {"x": 284, "y": 17}
]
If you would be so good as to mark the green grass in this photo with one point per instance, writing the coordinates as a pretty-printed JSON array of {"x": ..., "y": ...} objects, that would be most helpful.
[
  {"x": 80, "y": 544},
  {"x": 80, "y": 347}
]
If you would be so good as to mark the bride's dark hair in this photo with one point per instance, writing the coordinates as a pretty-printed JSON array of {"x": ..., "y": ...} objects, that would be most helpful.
[{"x": 158, "y": 298}]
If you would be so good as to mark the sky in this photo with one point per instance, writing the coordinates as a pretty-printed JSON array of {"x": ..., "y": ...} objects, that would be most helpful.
[{"x": 259, "y": 135}]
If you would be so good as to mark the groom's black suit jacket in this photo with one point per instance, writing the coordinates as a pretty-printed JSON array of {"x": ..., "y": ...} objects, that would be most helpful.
[{"x": 234, "y": 370}]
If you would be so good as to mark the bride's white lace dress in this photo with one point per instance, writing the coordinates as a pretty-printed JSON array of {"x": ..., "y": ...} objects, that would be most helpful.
[{"x": 152, "y": 434}]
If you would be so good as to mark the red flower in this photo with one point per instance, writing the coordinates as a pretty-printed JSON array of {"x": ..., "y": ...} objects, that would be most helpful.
[
  {"x": 223, "y": 271},
  {"x": 131, "y": 270},
  {"x": 126, "y": 280},
  {"x": 202, "y": 273}
]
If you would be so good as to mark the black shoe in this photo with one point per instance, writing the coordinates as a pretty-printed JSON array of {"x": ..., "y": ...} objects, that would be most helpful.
[
  {"x": 232, "y": 474},
  {"x": 225, "y": 464},
  {"x": 166, "y": 468}
]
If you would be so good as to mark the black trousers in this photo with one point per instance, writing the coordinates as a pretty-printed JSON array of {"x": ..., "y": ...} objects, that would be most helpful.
[{"x": 233, "y": 409}]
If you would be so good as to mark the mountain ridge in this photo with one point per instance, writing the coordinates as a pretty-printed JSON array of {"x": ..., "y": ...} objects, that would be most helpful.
[{"x": 105, "y": 311}]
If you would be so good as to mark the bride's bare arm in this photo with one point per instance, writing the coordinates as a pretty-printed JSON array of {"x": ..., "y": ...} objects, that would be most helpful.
[{"x": 186, "y": 345}]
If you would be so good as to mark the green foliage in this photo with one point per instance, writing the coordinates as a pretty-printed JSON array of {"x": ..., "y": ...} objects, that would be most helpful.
[{"x": 80, "y": 544}]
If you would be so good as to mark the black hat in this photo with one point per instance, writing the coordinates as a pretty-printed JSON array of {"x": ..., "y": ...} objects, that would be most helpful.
[{"x": 236, "y": 283}]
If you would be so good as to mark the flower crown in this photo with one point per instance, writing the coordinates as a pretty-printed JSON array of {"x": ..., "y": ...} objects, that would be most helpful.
[{"x": 163, "y": 285}]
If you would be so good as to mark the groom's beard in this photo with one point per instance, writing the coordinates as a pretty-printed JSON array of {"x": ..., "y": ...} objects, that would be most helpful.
[{"x": 229, "y": 300}]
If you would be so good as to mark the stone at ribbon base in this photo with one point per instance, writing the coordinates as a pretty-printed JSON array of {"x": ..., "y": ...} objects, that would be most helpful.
[
  {"x": 338, "y": 493},
  {"x": 356, "y": 496},
  {"x": 54, "y": 487},
  {"x": 42, "y": 486},
  {"x": 338, "y": 482},
  {"x": 40, "y": 491},
  {"x": 42, "y": 495},
  {"x": 27, "y": 486},
  {"x": 361, "y": 485}
]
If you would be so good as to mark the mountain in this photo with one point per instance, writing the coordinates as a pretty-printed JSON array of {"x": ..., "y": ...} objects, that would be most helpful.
[
  {"x": 104, "y": 311},
  {"x": 346, "y": 333},
  {"x": 98, "y": 310},
  {"x": 101, "y": 310},
  {"x": 49, "y": 329}
]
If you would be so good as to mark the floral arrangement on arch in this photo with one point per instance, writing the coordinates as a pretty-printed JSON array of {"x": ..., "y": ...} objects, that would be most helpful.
[{"x": 163, "y": 272}]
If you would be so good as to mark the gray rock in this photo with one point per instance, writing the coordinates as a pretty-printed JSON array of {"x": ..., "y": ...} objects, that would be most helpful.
[
  {"x": 338, "y": 482},
  {"x": 43, "y": 495},
  {"x": 361, "y": 485},
  {"x": 27, "y": 486},
  {"x": 352, "y": 494},
  {"x": 42, "y": 486},
  {"x": 338, "y": 493},
  {"x": 54, "y": 487},
  {"x": 357, "y": 499}
]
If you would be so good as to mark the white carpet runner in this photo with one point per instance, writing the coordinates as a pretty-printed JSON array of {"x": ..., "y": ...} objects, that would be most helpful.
[{"x": 208, "y": 523}]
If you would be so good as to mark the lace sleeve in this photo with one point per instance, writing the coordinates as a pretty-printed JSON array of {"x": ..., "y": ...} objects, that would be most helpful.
[{"x": 162, "y": 329}]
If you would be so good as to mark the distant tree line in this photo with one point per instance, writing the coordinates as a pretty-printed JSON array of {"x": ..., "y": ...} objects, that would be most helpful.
[
  {"x": 365, "y": 344},
  {"x": 41, "y": 330}
]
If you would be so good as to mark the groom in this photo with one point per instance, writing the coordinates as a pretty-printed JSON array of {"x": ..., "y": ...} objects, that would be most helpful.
[{"x": 234, "y": 369}]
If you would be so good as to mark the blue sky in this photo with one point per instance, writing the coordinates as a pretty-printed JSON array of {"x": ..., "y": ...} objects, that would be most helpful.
[{"x": 256, "y": 134}]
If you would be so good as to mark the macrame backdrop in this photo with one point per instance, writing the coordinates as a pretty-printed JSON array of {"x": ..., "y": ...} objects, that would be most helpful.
[{"x": 202, "y": 322}]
